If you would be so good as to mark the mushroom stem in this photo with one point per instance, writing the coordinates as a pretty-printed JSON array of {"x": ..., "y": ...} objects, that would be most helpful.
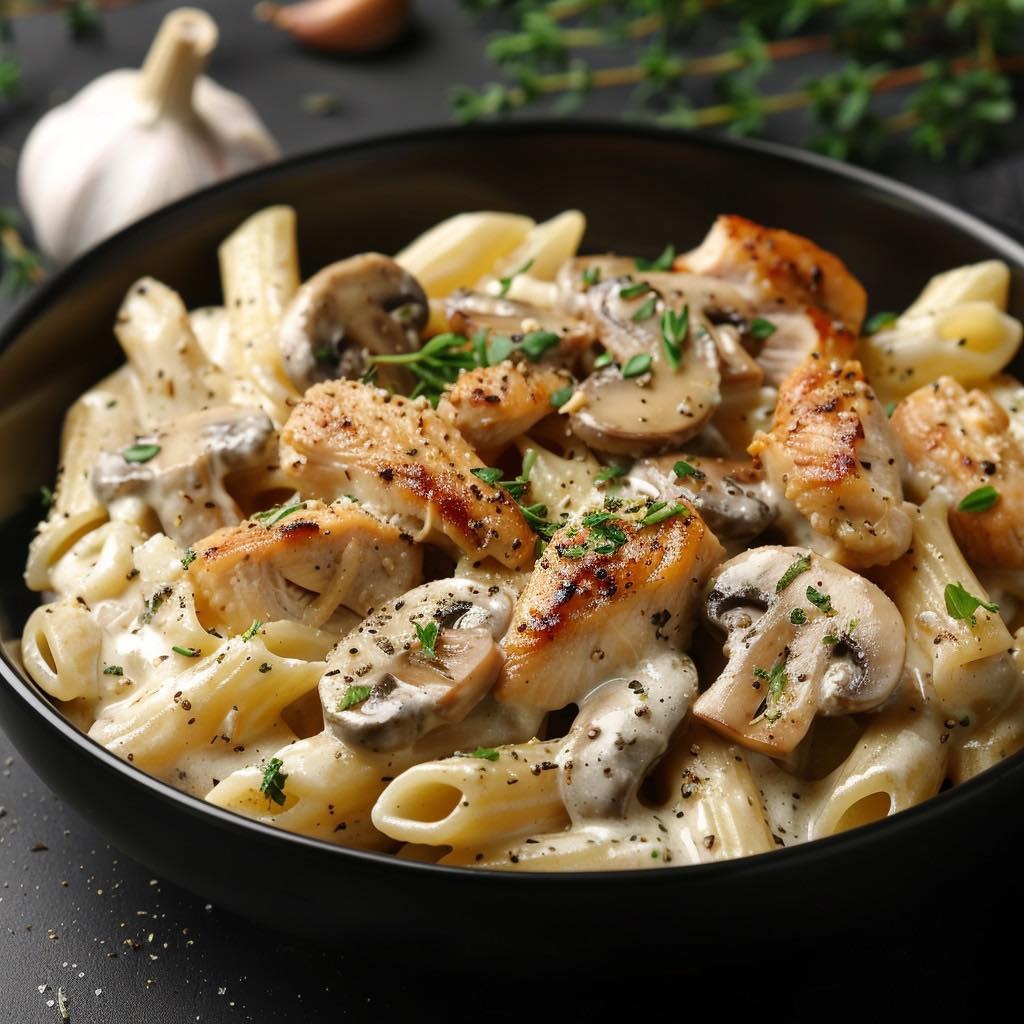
[{"x": 175, "y": 60}]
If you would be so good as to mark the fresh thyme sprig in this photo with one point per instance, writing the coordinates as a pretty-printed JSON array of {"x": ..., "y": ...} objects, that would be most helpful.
[{"x": 950, "y": 62}]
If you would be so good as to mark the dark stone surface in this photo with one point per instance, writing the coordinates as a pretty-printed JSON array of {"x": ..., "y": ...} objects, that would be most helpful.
[{"x": 126, "y": 947}]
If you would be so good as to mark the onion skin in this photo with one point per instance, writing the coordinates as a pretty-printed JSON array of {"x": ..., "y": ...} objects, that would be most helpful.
[{"x": 340, "y": 26}]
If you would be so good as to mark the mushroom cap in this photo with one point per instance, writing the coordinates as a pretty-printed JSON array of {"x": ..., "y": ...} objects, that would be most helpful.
[
  {"x": 366, "y": 303},
  {"x": 845, "y": 656}
]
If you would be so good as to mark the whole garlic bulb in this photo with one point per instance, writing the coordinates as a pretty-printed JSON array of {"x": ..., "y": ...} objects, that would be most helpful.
[{"x": 133, "y": 141}]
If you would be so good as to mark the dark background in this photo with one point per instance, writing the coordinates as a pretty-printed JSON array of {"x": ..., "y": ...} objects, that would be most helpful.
[{"x": 127, "y": 947}]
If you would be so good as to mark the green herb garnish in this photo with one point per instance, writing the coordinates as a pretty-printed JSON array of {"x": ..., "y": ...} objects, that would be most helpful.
[
  {"x": 591, "y": 275},
  {"x": 684, "y": 469},
  {"x": 45, "y": 496},
  {"x": 113, "y": 670},
  {"x": 760, "y": 328},
  {"x": 427, "y": 636},
  {"x": 961, "y": 604},
  {"x": 273, "y": 782},
  {"x": 486, "y": 753},
  {"x": 561, "y": 396},
  {"x": 536, "y": 343},
  {"x": 660, "y": 511},
  {"x": 777, "y": 681},
  {"x": 188, "y": 558},
  {"x": 253, "y": 629},
  {"x": 674, "y": 328},
  {"x": 274, "y": 515},
  {"x": 890, "y": 408},
  {"x": 798, "y": 616},
  {"x": 802, "y": 564},
  {"x": 506, "y": 282},
  {"x": 820, "y": 601},
  {"x": 187, "y": 652},
  {"x": 663, "y": 262},
  {"x": 488, "y": 474},
  {"x": 979, "y": 500},
  {"x": 603, "y": 360},
  {"x": 646, "y": 311},
  {"x": 610, "y": 473},
  {"x": 637, "y": 365},
  {"x": 140, "y": 452},
  {"x": 353, "y": 695},
  {"x": 633, "y": 291},
  {"x": 878, "y": 322}
]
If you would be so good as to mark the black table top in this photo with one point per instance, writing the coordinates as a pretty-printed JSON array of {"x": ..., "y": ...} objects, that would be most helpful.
[{"x": 126, "y": 947}]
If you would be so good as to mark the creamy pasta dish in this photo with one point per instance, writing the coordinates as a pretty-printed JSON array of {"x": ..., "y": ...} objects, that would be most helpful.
[{"x": 493, "y": 554}]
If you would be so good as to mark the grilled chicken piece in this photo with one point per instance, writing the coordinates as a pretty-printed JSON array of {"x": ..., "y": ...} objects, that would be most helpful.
[
  {"x": 587, "y": 616},
  {"x": 303, "y": 565},
  {"x": 400, "y": 457},
  {"x": 494, "y": 404},
  {"x": 957, "y": 441},
  {"x": 788, "y": 269},
  {"x": 832, "y": 453}
]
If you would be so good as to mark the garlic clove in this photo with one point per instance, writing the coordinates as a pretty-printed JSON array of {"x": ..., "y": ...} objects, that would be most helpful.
[{"x": 133, "y": 141}]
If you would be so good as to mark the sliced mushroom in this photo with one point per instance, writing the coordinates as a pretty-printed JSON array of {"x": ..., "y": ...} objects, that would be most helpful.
[
  {"x": 732, "y": 496},
  {"x": 471, "y": 312},
  {"x": 179, "y": 470},
  {"x": 805, "y": 637},
  {"x": 622, "y": 730},
  {"x": 383, "y": 691},
  {"x": 658, "y": 409},
  {"x": 365, "y": 304}
]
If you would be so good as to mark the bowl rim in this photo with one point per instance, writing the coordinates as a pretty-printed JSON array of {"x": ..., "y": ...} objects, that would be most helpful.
[{"x": 942, "y": 804}]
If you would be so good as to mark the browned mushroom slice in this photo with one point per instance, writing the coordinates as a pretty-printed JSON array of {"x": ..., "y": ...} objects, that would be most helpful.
[
  {"x": 832, "y": 452},
  {"x": 179, "y": 469},
  {"x": 784, "y": 268},
  {"x": 401, "y": 458},
  {"x": 365, "y": 304},
  {"x": 957, "y": 442},
  {"x": 471, "y": 312},
  {"x": 301, "y": 562},
  {"x": 732, "y": 496},
  {"x": 421, "y": 662},
  {"x": 804, "y": 637},
  {"x": 605, "y": 591},
  {"x": 492, "y": 405}
]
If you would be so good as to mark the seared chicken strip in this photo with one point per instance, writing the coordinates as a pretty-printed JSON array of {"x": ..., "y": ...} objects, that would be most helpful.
[
  {"x": 789, "y": 270},
  {"x": 832, "y": 453},
  {"x": 607, "y": 593},
  {"x": 402, "y": 459},
  {"x": 492, "y": 405},
  {"x": 307, "y": 560},
  {"x": 957, "y": 441}
]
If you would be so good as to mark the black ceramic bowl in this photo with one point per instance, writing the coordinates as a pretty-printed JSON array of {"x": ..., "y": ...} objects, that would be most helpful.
[{"x": 949, "y": 861}]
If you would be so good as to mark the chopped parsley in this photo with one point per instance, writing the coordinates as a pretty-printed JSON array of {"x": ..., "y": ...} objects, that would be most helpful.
[
  {"x": 45, "y": 496},
  {"x": 798, "y": 616},
  {"x": 961, "y": 604},
  {"x": 802, "y": 564},
  {"x": 488, "y": 474},
  {"x": 152, "y": 605},
  {"x": 820, "y": 601},
  {"x": 603, "y": 360},
  {"x": 273, "y": 782},
  {"x": 536, "y": 517},
  {"x": 878, "y": 322},
  {"x": 663, "y": 262},
  {"x": 637, "y": 365},
  {"x": 661, "y": 510},
  {"x": 536, "y": 343},
  {"x": 591, "y": 275},
  {"x": 113, "y": 670},
  {"x": 777, "y": 681},
  {"x": 633, "y": 291},
  {"x": 499, "y": 348},
  {"x": 427, "y": 636},
  {"x": 610, "y": 473},
  {"x": 604, "y": 527},
  {"x": 253, "y": 629},
  {"x": 684, "y": 469},
  {"x": 561, "y": 396},
  {"x": 761, "y": 329},
  {"x": 506, "y": 282},
  {"x": 576, "y": 551},
  {"x": 188, "y": 558},
  {"x": 353, "y": 695},
  {"x": 674, "y": 328},
  {"x": 979, "y": 500},
  {"x": 890, "y": 408},
  {"x": 646, "y": 311},
  {"x": 830, "y": 639},
  {"x": 487, "y": 753},
  {"x": 140, "y": 452},
  {"x": 274, "y": 515},
  {"x": 187, "y": 652}
]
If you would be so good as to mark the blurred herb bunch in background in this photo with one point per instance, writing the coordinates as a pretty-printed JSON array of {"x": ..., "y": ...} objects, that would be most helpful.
[{"x": 937, "y": 74}]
